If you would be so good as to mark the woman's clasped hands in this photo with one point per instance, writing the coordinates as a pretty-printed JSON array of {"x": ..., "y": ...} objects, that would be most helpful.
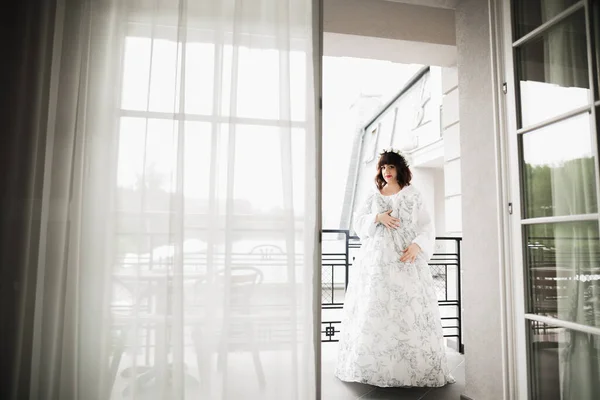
[{"x": 386, "y": 219}]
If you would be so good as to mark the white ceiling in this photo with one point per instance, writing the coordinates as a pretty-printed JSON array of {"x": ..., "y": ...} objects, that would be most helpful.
[
  {"x": 393, "y": 31},
  {"x": 450, "y": 4},
  {"x": 390, "y": 20},
  {"x": 398, "y": 51}
]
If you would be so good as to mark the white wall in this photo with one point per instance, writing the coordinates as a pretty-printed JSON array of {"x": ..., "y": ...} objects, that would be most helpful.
[
  {"x": 430, "y": 182},
  {"x": 424, "y": 181},
  {"x": 482, "y": 271},
  {"x": 440, "y": 202},
  {"x": 452, "y": 164}
]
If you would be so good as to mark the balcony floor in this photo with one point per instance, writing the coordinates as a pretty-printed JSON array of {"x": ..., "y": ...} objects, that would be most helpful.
[
  {"x": 242, "y": 381},
  {"x": 334, "y": 389}
]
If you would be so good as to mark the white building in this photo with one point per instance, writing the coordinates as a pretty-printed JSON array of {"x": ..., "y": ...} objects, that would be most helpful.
[
  {"x": 515, "y": 172},
  {"x": 421, "y": 122}
]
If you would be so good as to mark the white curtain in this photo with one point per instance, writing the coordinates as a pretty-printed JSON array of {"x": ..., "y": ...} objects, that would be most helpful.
[
  {"x": 565, "y": 52},
  {"x": 178, "y": 202},
  {"x": 575, "y": 245},
  {"x": 576, "y": 250}
]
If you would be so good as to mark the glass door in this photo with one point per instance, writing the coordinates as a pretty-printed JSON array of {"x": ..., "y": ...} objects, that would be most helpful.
[{"x": 553, "y": 147}]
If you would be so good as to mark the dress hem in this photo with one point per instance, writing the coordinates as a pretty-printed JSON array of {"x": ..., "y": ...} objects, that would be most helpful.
[{"x": 367, "y": 382}]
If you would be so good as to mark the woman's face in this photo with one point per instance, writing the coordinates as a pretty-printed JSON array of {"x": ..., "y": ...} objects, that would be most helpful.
[{"x": 389, "y": 173}]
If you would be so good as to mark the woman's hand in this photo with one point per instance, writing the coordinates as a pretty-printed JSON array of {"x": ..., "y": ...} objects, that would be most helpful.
[
  {"x": 387, "y": 220},
  {"x": 410, "y": 253}
]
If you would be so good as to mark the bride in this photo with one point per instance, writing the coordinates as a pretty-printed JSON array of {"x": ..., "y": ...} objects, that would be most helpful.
[{"x": 392, "y": 332}]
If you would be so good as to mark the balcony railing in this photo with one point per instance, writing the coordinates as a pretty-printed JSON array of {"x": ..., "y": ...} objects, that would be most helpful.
[{"x": 339, "y": 250}]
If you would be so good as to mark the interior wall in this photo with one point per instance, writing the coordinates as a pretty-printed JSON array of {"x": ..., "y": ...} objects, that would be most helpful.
[{"x": 482, "y": 270}]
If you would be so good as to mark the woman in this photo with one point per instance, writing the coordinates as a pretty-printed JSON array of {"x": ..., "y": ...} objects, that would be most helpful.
[{"x": 392, "y": 332}]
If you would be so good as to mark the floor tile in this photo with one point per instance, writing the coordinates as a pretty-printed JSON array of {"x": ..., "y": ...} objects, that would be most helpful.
[
  {"x": 449, "y": 392},
  {"x": 344, "y": 390},
  {"x": 454, "y": 359},
  {"x": 331, "y": 387}
]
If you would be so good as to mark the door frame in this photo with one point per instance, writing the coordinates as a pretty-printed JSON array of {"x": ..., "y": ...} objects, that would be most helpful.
[
  {"x": 517, "y": 350},
  {"x": 513, "y": 296}
]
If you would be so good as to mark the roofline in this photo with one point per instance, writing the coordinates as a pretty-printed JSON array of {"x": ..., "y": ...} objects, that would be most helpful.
[{"x": 411, "y": 82}]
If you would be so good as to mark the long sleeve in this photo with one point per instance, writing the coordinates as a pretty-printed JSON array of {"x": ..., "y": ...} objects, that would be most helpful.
[
  {"x": 425, "y": 230},
  {"x": 364, "y": 220}
]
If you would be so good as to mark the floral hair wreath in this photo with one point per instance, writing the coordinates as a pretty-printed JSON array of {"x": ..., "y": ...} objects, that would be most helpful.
[{"x": 391, "y": 150}]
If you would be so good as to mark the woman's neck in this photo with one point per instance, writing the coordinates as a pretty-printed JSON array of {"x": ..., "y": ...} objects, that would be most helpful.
[{"x": 390, "y": 188}]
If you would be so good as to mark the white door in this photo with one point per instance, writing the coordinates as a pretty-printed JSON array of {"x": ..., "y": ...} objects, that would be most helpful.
[{"x": 553, "y": 125}]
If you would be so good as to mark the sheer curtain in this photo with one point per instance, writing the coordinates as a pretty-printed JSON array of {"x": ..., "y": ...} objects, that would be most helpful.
[
  {"x": 576, "y": 246},
  {"x": 177, "y": 180},
  {"x": 573, "y": 192}
]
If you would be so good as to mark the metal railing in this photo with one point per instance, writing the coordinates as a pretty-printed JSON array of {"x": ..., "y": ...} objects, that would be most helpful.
[{"x": 339, "y": 250}]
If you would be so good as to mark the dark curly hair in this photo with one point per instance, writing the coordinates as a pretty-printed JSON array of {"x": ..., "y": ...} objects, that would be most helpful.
[{"x": 403, "y": 173}]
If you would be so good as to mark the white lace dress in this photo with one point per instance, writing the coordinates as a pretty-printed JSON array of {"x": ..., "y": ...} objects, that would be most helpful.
[{"x": 392, "y": 333}]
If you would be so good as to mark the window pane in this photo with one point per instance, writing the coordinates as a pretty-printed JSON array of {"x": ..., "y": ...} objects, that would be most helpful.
[
  {"x": 145, "y": 177},
  {"x": 277, "y": 157},
  {"x": 298, "y": 84},
  {"x": 262, "y": 88},
  {"x": 160, "y": 156},
  {"x": 146, "y": 165},
  {"x": 197, "y": 159},
  {"x": 255, "y": 91},
  {"x": 563, "y": 263},
  {"x": 558, "y": 173},
  {"x": 255, "y": 196},
  {"x": 529, "y": 14},
  {"x": 136, "y": 73},
  {"x": 132, "y": 142},
  {"x": 199, "y": 80},
  {"x": 564, "y": 364},
  {"x": 165, "y": 78},
  {"x": 151, "y": 74},
  {"x": 553, "y": 71}
]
